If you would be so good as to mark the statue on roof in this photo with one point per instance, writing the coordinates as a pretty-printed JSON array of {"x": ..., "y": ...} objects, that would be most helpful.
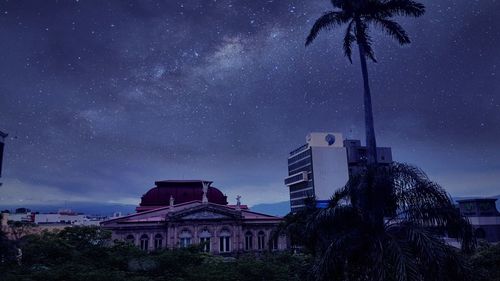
[
  {"x": 238, "y": 202},
  {"x": 205, "y": 192}
]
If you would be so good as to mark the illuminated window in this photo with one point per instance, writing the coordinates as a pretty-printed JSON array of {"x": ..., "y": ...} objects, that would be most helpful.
[
  {"x": 185, "y": 239},
  {"x": 158, "y": 241},
  {"x": 224, "y": 241},
  {"x": 261, "y": 240},
  {"x": 248, "y": 241},
  {"x": 205, "y": 240},
  {"x": 144, "y": 242}
]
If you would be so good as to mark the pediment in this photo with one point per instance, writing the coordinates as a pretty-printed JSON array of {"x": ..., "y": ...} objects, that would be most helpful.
[
  {"x": 204, "y": 215},
  {"x": 206, "y": 212}
]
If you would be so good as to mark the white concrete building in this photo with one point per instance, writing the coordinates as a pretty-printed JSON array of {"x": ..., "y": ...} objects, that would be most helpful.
[
  {"x": 316, "y": 169},
  {"x": 324, "y": 164}
]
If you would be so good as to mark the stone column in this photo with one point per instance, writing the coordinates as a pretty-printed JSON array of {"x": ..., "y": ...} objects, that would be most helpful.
[
  {"x": 151, "y": 245},
  {"x": 216, "y": 239}
]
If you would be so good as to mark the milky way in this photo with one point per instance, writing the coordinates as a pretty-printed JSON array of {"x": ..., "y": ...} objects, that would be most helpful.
[{"x": 102, "y": 98}]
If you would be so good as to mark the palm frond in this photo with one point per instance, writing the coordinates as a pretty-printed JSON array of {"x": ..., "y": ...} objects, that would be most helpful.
[
  {"x": 349, "y": 38},
  {"x": 403, "y": 8},
  {"x": 393, "y": 29},
  {"x": 387, "y": 223},
  {"x": 340, "y": 4},
  {"x": 400, "y": 256},
  {"x": 341, "y": 194},
  {"x": 328, "y": 20},
  {"x": 364, "y": 39},
  {"x": 332, "y": 259},
  {"x": 336, "y": 219}
]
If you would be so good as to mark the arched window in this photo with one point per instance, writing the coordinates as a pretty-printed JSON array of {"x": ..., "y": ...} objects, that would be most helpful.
[
  {"x": 185, "y": 238},
  {"x": 144, "y": 242},
  {"x": 130, "y": 239},
  {"x": 248, "y": 241},
  {"x": 158, "y": 241},
  {"x": 261, "y": 240},
  {"x": 273, "y": 242},
  {"x": 224, "y": 241},
  {"x": 205, "y": 240}
]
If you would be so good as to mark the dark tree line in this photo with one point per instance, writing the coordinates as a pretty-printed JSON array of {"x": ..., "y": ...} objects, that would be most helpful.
[{"x": 86, "y": 253}]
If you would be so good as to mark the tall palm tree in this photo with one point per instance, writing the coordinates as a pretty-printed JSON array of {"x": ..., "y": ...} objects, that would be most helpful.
[
  {"x": 359, "y": 15},
  {"x": 385, "y": 224}
]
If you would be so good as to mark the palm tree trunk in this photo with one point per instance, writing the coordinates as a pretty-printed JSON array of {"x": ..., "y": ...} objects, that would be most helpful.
[{"x": 371, "y": 143}]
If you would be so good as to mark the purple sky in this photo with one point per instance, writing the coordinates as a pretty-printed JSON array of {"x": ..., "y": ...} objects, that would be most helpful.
[{"x": 102, "y": 98}]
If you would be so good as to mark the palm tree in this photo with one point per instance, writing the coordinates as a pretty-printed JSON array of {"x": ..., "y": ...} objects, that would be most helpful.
[
  {"x": 385, "y": 224},
  {"x": 359, "y": 15}
]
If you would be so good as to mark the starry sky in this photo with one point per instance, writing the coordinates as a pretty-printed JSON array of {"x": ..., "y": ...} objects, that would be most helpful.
[{"x": 102, "y": 98}]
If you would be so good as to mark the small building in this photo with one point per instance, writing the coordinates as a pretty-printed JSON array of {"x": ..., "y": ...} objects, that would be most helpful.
[
  {"x": 20, "y": 215},
  {"x": 484, "y": 217},
  {"x": 64, "y": 216},
  {"x": 203, "y": 217}
]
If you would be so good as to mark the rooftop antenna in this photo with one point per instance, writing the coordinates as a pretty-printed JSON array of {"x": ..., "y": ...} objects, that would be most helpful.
[{"x": 350, "y": 135}]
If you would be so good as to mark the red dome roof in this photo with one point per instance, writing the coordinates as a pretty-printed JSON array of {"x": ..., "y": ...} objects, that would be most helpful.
[{"x": 182, "y": 191}]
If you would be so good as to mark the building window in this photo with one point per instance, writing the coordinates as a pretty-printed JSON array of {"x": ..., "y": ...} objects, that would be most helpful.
[
  {"x": 185, "y": 239},
  {"x": 205, "y": 241},
  {"x": 261, "y": 240},
  {"x": 158, "y": 241},
  {"x": 273, "y": 243},
  {"x": 144, "y": 242},
  {"x": 248, "y": 241},
  {"x": 224, "y": 241},
  {"x": 130, "y": 239}
]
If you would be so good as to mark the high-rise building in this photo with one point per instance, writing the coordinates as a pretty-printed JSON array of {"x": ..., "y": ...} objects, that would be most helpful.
[
  {"x": 324, "y": 164},
  {"x": 316, "y": 169}
]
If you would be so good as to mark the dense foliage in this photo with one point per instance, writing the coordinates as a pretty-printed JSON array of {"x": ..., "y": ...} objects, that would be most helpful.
[
  {"x": 83, "y": 253},
  {"x": 485, "y": 263},
  {"x": 387, "y": 223}
]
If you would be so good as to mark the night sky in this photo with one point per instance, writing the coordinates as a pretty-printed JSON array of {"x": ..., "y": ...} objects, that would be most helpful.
[{"x": 102, "y": 98}]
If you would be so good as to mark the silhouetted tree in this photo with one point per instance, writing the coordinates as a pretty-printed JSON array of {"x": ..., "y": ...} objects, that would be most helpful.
[
  {"x": 359, "y": 15},
  {"x": 486, "y": 262},
  {"x": 7, "y": 249},
  {"x": 386, "y": 224}
]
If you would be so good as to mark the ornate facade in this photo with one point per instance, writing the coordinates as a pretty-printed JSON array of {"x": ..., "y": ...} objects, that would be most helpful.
[{"x": 217, "y": 228}]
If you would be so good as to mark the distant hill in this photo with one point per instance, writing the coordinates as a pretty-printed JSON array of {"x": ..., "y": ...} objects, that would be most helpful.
[
  {"x": 88, "y": 208},
  {"x": 106, "y": 209},
  {"x": 275, "y": 209},
  {"x": 283, "y": 208}
]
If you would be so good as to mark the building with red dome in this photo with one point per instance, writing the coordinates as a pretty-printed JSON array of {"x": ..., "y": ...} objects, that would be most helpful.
[
  {"x": 180, "y": 213},
  {"x": 181, "y": 191}
]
